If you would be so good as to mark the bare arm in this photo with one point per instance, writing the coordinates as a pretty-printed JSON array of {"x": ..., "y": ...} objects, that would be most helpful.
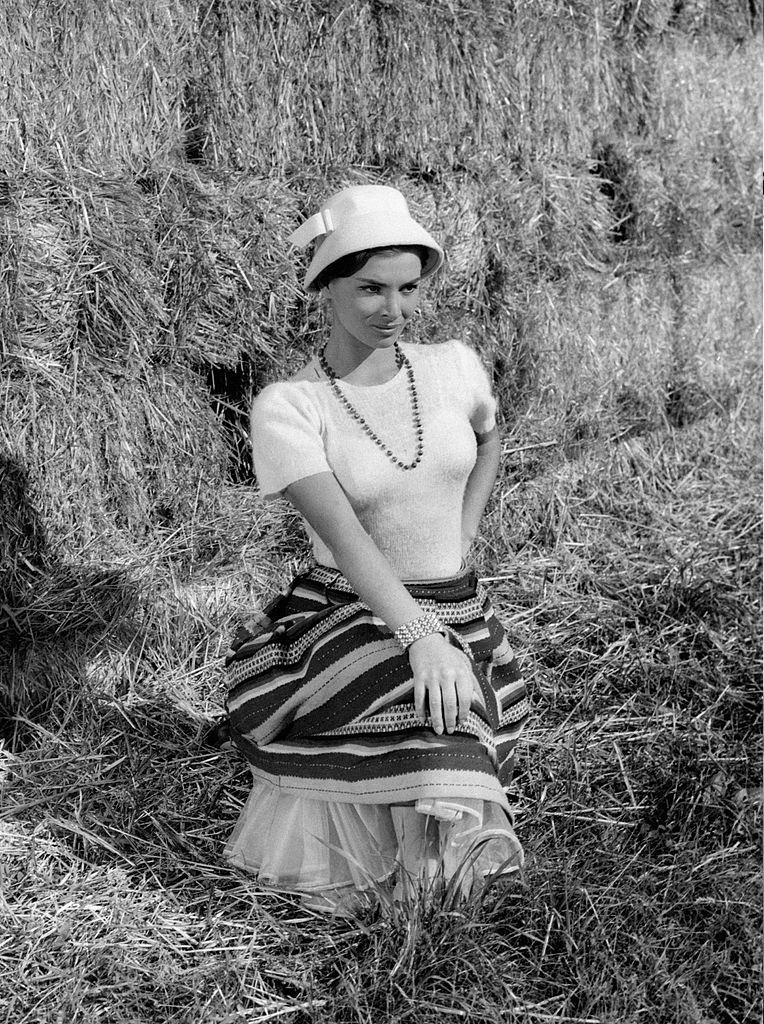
[
  {"x": 479, "y": 485},
  {"x": 440, "y": 670},
  {"x": 326, "y": 507}
]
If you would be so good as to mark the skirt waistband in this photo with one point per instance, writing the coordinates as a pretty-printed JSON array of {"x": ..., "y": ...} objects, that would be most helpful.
[{"x": 454, "y": 588}]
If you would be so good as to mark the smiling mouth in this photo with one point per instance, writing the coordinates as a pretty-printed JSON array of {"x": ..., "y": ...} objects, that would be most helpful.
[{"x": 388, "y": 328}]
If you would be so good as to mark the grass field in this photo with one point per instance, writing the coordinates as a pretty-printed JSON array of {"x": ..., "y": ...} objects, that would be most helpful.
[
  {"x": 593, "y": 169},
  {"x": 630, "y": 582}
]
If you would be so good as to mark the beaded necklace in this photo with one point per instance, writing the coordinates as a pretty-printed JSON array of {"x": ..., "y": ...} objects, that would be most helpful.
[{"x": 400, "y": 360}]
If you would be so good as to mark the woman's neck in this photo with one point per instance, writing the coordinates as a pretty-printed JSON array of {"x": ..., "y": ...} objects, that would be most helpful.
[{"x": 355, "y": 362}]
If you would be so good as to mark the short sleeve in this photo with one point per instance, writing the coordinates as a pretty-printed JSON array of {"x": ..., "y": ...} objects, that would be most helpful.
[
  {"x": 477, "y": 389},
  {"x": 287, "y": 444}
]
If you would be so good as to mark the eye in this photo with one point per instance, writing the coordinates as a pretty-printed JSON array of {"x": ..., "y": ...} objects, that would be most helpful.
[
  {"x": 409, "y": 289},
  {"x": 372, "y": 288}
]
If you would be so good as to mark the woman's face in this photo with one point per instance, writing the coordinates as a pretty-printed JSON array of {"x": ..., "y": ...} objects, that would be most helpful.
[{"x": 373, "y": 305}]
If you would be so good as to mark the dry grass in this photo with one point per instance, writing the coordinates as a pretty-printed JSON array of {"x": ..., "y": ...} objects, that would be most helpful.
[
  {"x": 423, "y": 88},
  {"x": 146, "y": 449},
  {"x": 606, "y": 355},
  {"x": 98, "y": 85},
  {"x": 633, "y": 592},
  {"x": 690, "y": 184},
  {"x": 591, "y": 170}
]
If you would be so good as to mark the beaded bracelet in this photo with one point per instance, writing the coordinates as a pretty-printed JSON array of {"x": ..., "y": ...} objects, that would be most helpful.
[{"x": 417, "y": 628}]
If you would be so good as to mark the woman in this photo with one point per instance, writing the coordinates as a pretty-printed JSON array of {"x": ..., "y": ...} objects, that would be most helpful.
[{"x": 377, "y": 700}]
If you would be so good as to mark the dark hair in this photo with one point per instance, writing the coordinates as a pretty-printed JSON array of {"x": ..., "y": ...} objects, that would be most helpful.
[{"x": 348, "y": 265}]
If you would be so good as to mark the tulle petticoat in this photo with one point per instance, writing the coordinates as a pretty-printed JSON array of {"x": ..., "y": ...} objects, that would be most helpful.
[{"x": 294, "y": 844}]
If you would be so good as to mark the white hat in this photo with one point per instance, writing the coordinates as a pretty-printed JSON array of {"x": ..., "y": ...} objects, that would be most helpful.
[{"x": 362, "y": 217}]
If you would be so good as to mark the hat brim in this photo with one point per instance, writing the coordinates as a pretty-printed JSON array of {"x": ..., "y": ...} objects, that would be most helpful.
[{"x": 373, "y": 231}]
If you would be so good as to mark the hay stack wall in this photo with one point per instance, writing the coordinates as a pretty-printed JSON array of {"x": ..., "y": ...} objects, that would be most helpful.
[{"x": 591, "y": 167}]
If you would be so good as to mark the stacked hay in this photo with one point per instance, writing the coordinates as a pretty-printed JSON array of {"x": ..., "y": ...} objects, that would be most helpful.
[
  {"x": 223, "y": 262},
  {"x": 272, "y": 87},
  {"x": 39, "y": 303},
  {"x": 80, "y": 278},
  {"x": 629, "y": 352},
  {"x": 690, "y": 185},
  {"x": 399, "y": 85},
  {"x": 94, "y": 85},
  {"x": 589, "y": 168},
  {"x": 145, "y": 449}
]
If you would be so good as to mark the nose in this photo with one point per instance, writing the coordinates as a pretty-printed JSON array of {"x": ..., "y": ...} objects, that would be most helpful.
[{"x": 392, "y": 306}]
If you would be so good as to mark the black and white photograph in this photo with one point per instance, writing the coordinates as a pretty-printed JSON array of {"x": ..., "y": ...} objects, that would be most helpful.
[{"x": 381, "y": 512}]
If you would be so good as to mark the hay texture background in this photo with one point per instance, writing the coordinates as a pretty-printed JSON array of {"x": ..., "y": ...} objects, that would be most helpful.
[{"x": 593, "y": 171}]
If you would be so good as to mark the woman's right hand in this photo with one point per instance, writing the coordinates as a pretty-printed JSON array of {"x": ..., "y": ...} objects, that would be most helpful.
[{"x": 444, "y": 675}]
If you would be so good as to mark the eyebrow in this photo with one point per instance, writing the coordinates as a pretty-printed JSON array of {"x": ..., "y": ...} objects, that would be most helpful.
[{"x": 382, "y": 284}]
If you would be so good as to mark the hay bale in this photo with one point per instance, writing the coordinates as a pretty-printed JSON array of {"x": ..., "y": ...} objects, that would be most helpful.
[
  {"x": 130, "y": 320},
  {"x": 224, "y": 264},
  {"x": 113, "y": 460},
  {"x": 547, "y": 222},
  {"x": 735, "y": 19},
  {"x": 649, "y": 201},
  {"x": 39, "y": 293},
  {"x": 98, "y": 85},
  {"x": 717, "y": 344},
  {"x": 82, "y": 277},
  {"x": 690, "y": 183},
  {"x": 421, "y": 87},
  {"x": 708, "y": 118},
  {"x": 607, "y": 353},
  {"x": 122, "y": 316},
  {"x": 459, "y": 225},
  {"x": 622, "y": 354},
  {"x": 636, "y": 22},
  {"x": 167, "y": 265}
]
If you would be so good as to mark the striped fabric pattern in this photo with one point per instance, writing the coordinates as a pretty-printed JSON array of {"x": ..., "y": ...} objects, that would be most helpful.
[{"x": 321, "y": 697}]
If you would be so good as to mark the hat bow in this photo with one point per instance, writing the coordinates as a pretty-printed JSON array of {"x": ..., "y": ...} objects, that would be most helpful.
[{"x": 319, "y": 224}]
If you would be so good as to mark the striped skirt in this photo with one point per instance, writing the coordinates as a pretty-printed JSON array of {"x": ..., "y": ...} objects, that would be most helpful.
[{"x": 346, "y": 776}]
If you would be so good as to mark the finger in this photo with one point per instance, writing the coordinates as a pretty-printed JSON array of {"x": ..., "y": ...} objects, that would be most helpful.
[
  {"x": 464, "y": 689},
  {"x": 419, "y": 692},
  {"x": 448, "y": 692},
  {"x": 436, "y": 707}
]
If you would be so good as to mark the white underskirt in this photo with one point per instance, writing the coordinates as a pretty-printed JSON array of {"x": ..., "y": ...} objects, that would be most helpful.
[{"x": 294, "y": 844}]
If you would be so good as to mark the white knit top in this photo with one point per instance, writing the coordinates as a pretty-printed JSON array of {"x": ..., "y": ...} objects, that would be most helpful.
[{"x": 414, "y": 516}]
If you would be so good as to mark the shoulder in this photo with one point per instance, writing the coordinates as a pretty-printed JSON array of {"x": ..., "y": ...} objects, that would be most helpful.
[
  {"x": 435, "y": 354},
  {"x": 468, "y": 359},
  {"x": 284, "y": 402},
  {"x": 295, "y": 390},
  {"x": 463, "y": 352},
  {"x": 292, "y": 390},
  {"x": 452, "y": 355}
]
